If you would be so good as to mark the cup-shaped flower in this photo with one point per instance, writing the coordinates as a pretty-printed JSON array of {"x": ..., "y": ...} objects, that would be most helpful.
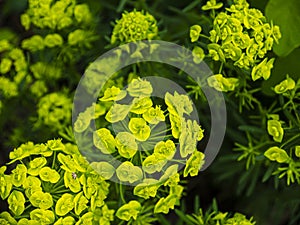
[
  {"x": 80, "y": 202},
  {"x": 166, "y": 149},
  {"x": 41, "y": 200},
  {"x": 129, "y": 210},
  {"x": 127, "y": 172},
  {"x": 198, "y": 54},
  {"x": 154, "y": 115},
  {"x": 113, "y": 94},
  {"x": 231, "y": 51},
  {"x": 139, "y": 88},
  {"x": 125, "y": 142},
  {"x": 195, "y": 31},
  {"x": 104, "y": 169},
  {"x": 285, "y": 85},
  {"x": 48, "y": 174},
  {"x": 19, "y": 175},
  {"x": 16, "y": 202},
  {"x": 117, "y": 113},
  {"x": 154, "y": 163},
  {"x": 212, "y": 4},
  {"x": 31, "y": 185},
  {"x": 277, "y": 154},
  {"x": 64, "y": 204},
  {"x": 178, "y": 104},
  {"x": 72, "y": 182},
  {"x": 194, "y": 164},
  {"x": 141, "y": 105},
  {"x": 104, "y": 140},
  {"x": 216, "y": 52},
  {"x": 36, "y": 165},
  {"x": 221, "y": 83},
  {"x": 165, "y": 204},
  {"x": 147, "y": 188},
  {"x": 43, "y": 216},
  {"x": 67, "y": 163},
  {"x": 263, "y": 69},
  {"x": 53, "y": 40},
  {"x": 139, "y": 128},
  {"x": 7, "y": 219},
  {"x": 275, "y": 130}
]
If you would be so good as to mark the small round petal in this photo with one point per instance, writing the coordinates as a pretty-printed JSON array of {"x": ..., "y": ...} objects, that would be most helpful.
[
  {"x": 64, "y": 204},
  {"x": 275, "y": 130}
]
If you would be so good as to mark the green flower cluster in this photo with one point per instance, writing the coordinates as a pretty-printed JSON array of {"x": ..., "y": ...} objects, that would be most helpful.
[
  {"x": 55, "y": 15},
  {"x": 289, "y": 89},
  {"x": 54, "y": 110},
  {"x": 53, "y": 184},
  {"x": 144, "y": 138},
  {"x": 134, "y": 26},
  {"x": 240, "y": 37}
]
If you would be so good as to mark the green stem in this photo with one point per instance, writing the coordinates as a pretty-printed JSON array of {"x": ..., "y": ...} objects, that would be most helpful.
[
  {"x": 290, "y": 140},
  {"x": 122, "y": 193}
]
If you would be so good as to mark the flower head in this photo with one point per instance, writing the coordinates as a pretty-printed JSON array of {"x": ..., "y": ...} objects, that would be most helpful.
[{"x": 134, "y": 26}]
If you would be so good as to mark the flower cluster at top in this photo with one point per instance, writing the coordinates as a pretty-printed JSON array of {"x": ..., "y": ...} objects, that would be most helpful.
[
  {"x": 143, "y": 138},
  {"x": 240, "y": 36},
  {"x": 53, "y": 184},
  {"x": 55, "y": 14},
  {"x": 134, "y": 26}
]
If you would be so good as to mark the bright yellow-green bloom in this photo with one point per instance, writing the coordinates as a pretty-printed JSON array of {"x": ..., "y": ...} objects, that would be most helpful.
[
  {"x": 277, "y": 154},
  {"x": 134, "y": 26},
  {"x": 175, "y": 125},
  {"x": 71, "y": 183},
  {"x": 125, "y": 142},
  {"x": 34, "y": 43},
  {"x": 80, "y": 203},
  {"x": 113, "y": 94},
  {"x": 194, "y": 164},
  {"x": 117, "y": 113},
  {"x": 64, "y": 204},
  {"x": 139, "y": 88},
  {"x": 19, "y": 175},
  {"x": 141, "y": 105},
  {"x": 42, "y": 216},
  {"x": 166, "y": 149},
  {"x": 263, "y": 69},
  {"x": 212, "y": 4},
  {"x": 5, "y": 65},
  {"x": 16, "y": 202},
  {"x": 198, "y": 54},
  {"x": 178, "y": 104},
  {"x": 147, "y": 188},
  {"x": 104, "y": 169},
  {"x": 104, "y": 140},
  {"x": 48, "y": 174},
  {"x": 216, "y": 52},
  {"x": 41, "y": 200},
  {"x": 221, "y": 83},
  {"x": 129, "y": 210},
  {"x": 275, "y": 130},
  {"x": 69, "y": 220},
  {"x": 165, "y": 204},
  {"x": 36, "y": 165},
  {"x": 154, "y": 115},
  {"x": 154, "y": 163},
  {"x": 127, "y": 172},
  {"x": 52, "y": 40},
  {"x": 195, "y": 31},
  {"x": 284, "y": 86},
  {"x": 139, "y": 128}
]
